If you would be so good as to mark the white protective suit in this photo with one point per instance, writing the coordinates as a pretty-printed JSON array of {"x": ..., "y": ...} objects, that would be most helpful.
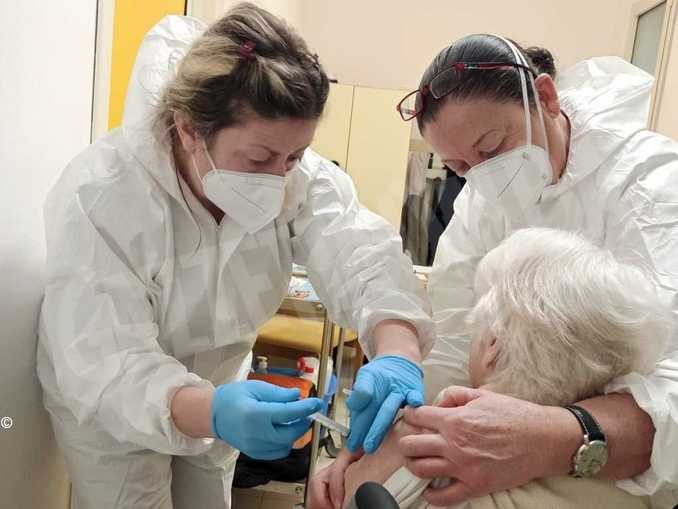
[
  {"x": 147, "y": 294},
  {"x": 620, "y": 189}
]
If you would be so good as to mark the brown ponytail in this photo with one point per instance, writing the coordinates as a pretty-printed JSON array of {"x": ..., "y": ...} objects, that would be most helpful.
[{"x": 542, "y": 60}]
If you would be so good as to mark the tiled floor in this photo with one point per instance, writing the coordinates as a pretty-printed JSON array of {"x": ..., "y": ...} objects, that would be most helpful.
[{"x": 258, "y": 499}]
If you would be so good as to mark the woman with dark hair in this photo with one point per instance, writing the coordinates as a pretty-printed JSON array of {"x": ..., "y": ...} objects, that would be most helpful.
[
  {"x": 575, "y": 156},
  {"x": 170, "y": 240}
]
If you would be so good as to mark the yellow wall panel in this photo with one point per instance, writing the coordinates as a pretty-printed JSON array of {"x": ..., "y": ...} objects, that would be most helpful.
[
  {"x": 331, "y": 137},
  {"x": 377, "y": 152},
  {"x": 132, "y": 19}
]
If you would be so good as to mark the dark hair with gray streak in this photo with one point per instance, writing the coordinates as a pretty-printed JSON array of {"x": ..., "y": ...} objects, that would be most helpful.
[{"x": 501, "y": 85}]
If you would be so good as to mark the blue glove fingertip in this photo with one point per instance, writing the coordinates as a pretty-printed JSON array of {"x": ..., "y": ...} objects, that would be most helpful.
[
  {"x": 313, "y": 405},
  {"x": 319, "y": 404},
  {"x": 351, "y": 443},
  {"x": 415, "y": 399}
]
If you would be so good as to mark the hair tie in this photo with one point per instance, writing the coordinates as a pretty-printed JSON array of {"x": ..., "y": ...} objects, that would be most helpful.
[{"x": 246, "y": 50}]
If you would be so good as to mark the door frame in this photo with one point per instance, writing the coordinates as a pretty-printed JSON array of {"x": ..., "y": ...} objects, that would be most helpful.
[
  {"x": 638, "y": 9},
  {"x": 102, "y": 67}
]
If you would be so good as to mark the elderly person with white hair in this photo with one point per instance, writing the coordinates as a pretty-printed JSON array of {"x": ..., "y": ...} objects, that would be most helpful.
[{"x": 556, "y": 320}]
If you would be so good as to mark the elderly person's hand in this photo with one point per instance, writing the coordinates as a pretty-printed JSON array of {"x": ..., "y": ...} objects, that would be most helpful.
[
  {"x": 326, "y": 489},
  {"x": 486, "y": 442}
]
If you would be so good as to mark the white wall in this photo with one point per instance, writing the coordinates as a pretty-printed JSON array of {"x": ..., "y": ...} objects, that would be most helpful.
[
  {"x": 46, "y": 71},
  {"x": 389, "y": 43},
  {"x": 290, "y": 10}
]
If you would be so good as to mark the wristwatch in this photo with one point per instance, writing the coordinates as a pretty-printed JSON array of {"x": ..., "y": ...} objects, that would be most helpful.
[{"x": 592, "y": 455}]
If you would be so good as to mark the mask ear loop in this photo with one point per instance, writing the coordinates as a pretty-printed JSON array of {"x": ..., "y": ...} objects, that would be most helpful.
[
  {"x": 521, "y": 59},
  {"x": 523, "y": 85},
  {"x": 188, "y": 206},
  {"x": 207, "y": 153},
  {"x": 195, "y": 168},
  {"x": 197, "y": 174}
]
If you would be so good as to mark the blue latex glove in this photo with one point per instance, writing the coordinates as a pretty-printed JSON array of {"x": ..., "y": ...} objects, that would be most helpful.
[
  {"x": 381, "y": 388},
  {"x": 260, "y": 419}
]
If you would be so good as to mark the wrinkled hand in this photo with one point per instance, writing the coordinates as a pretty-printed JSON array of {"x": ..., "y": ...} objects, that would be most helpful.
[
  {"x": 260, "y": 419},
  {"x": 485, "y": 442},
  {"x": 326, "y": 489},
  {"x": 381, "y": 388}
]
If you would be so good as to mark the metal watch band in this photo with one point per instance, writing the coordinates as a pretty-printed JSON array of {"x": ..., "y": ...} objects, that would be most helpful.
[{"x": 588, "y": 423}]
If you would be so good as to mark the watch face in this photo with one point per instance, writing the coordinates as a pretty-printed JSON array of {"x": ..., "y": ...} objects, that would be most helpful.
[{"x": 591, "y": 458}]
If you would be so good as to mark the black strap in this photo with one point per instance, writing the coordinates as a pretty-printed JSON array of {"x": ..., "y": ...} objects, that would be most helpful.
[{"x": 588, "y": 423}]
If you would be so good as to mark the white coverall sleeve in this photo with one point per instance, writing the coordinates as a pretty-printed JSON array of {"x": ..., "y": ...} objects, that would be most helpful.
[
  {"x": 355, "y": 261},
  {"x": 98, "y": 326},
  {"x": 451, "y": 289},
  {"x": 643, "y": 230}
]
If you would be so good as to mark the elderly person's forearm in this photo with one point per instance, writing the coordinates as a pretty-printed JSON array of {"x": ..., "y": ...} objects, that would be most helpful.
[{"x": 628, "y": 430}]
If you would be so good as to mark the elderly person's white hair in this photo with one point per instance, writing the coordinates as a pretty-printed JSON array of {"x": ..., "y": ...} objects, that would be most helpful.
[{"x": 567, "y": 317}]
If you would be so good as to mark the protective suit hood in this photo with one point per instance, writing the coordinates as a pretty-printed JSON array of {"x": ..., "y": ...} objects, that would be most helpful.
[
  {"x": 607, "y": 100},
  {"x": 160, "y": 52}
]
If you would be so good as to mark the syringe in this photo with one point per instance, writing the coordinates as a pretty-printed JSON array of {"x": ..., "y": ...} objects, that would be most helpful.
[{"x": 330, "y": 423}]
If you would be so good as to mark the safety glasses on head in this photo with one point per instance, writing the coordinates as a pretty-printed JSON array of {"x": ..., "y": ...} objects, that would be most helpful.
[
  {"x": 445, "y": 82},
  {"x": 515, "y": 179}
]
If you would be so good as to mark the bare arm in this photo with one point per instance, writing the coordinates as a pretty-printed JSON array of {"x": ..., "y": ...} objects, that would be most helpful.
[
  {"x": 381, "y": 465},
  {"x": 397, "y": 337},
  {"x": 192, "y": 411},
  {"x": 629, "y": 438}
]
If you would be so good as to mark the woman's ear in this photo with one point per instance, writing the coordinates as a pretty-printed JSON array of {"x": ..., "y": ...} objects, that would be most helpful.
[
  {"x": 185, "y": 132},
  {"x": 548, "y": 95}
]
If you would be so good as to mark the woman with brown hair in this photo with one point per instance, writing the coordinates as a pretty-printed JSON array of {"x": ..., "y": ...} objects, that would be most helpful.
[{"x": 170, "y": 240}]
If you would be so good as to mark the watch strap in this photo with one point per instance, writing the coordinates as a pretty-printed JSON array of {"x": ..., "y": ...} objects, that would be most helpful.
[{"x": 588, "y": 423}]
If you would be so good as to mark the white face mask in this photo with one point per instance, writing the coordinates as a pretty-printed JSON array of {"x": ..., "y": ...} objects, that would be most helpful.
[
  {"x": 252, "y": 200},
  {"x": 515, "y": 180}
]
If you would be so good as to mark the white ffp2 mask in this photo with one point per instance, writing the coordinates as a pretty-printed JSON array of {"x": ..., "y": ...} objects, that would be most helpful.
[
  {"x": 516, "y": 179},
  {"x": 513, "y": 180},
  {"x": 252, "y": 200}
]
